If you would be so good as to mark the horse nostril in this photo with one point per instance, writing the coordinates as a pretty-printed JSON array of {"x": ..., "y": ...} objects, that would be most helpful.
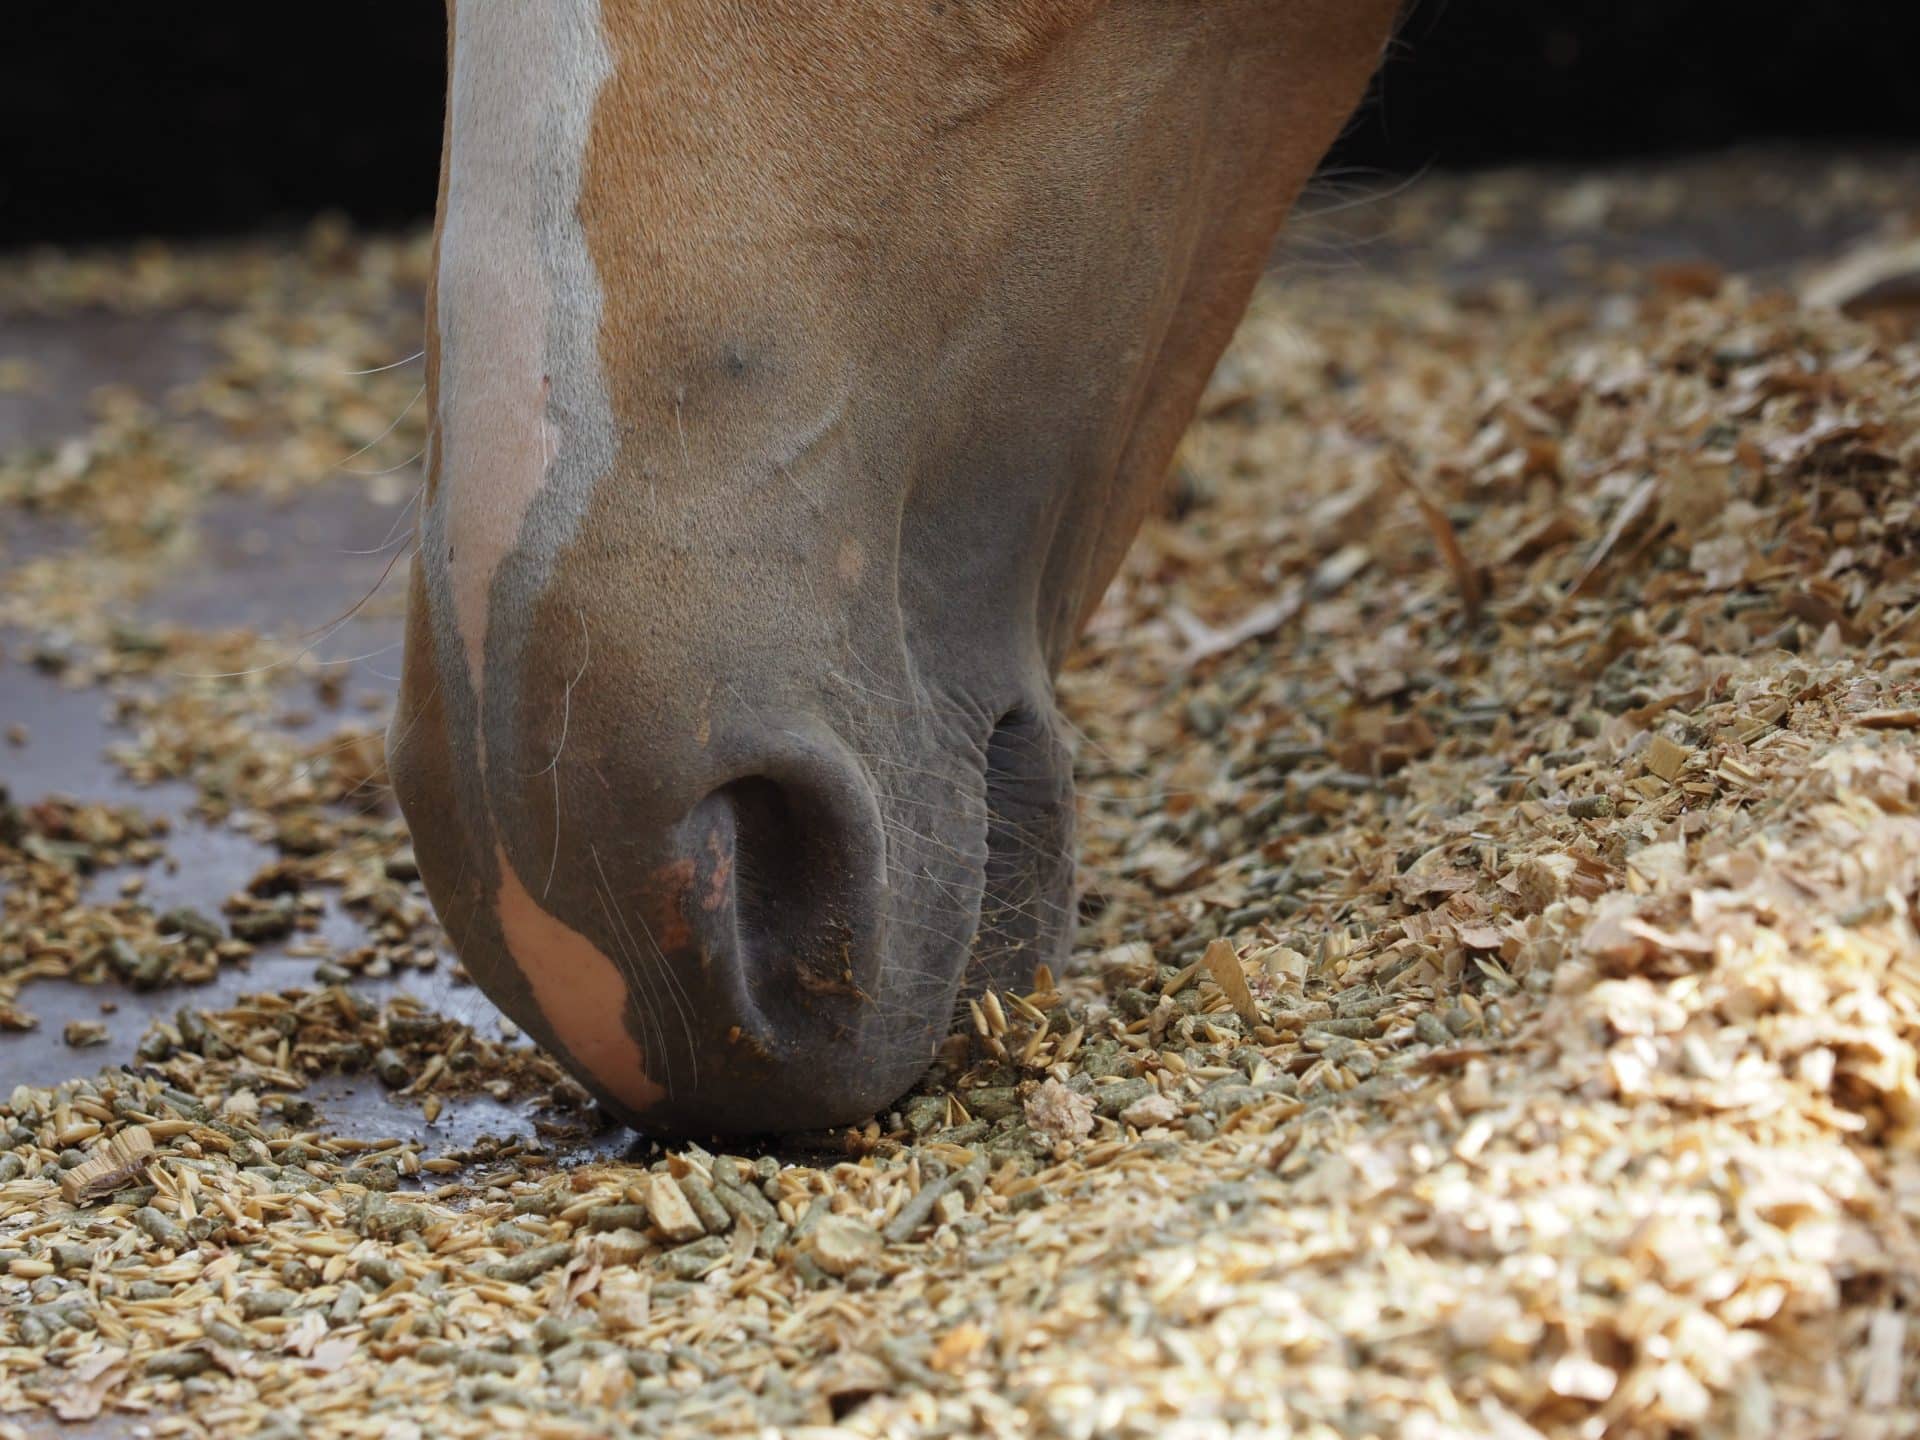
[
  {"x": 793, "y": 885},
  {"x": 769, "y": 845}
]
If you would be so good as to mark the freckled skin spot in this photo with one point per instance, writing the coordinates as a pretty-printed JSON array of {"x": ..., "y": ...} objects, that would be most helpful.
[
  {"x": 721, "y": 882},
  {"x": 666, "y": 893},
  {"x": 580, "y": 991}
]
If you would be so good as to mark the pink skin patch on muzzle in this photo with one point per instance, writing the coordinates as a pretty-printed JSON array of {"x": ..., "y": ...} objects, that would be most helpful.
[{"x": 581, "y": 992}]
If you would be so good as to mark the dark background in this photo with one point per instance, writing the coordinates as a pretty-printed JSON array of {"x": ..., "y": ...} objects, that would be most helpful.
[{"x": 120, "y": 119}]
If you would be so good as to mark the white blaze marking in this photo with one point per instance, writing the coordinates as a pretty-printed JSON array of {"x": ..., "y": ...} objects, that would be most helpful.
[
  {"x": 526, "y": 433},
  {"x": 519, "y": 302}
]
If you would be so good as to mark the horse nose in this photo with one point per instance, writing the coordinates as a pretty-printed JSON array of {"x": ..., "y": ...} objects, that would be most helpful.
[{"x": 748, "y": 929}]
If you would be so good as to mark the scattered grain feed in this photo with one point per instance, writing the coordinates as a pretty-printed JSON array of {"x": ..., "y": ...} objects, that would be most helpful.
[{"x": 1496, "y": 1005}]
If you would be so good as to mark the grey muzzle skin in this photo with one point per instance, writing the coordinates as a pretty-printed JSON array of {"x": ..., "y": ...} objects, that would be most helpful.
[{"x": 794, "y": 918}]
